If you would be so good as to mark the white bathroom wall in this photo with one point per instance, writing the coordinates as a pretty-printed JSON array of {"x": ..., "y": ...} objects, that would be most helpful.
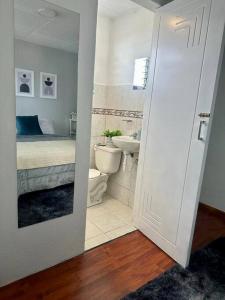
[
  {"x": 213, "y": 188},
  {"x": 29, "y": 250},
  {"x": 115, "y": 102},
  {"x": 103, "y": 38},
  {"x": 131, "y": 39}
]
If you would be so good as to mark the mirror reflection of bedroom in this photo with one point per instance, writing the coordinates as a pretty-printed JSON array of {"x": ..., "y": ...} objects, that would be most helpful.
[{"x": 46, "y": 60}]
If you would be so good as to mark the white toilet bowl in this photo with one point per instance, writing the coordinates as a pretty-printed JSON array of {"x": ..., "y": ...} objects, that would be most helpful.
[
  {"x": 97, "y": 187},
  {"x": 107, "y": 161}
]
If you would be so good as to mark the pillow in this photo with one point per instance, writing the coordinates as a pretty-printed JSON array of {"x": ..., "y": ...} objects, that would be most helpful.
[
  {"x": 46, "y": 126},
  {"x": 28, "y": 125}
]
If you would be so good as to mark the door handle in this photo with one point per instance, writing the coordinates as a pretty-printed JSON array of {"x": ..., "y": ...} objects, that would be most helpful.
[{"x": 200, "y": 138}]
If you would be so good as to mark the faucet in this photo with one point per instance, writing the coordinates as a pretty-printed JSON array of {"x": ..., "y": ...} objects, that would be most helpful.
[
  {"x": 134, "y": 135},
  {"x": 139, "y": 135}
]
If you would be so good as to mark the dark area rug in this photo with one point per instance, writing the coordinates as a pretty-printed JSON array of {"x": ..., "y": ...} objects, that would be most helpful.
[
  {"x": 37, "y": 207},
  {"x": 204, "y": 278}
]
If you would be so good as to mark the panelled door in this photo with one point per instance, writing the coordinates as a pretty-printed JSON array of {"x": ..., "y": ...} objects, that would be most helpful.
[{"x": 185, "y": 60}]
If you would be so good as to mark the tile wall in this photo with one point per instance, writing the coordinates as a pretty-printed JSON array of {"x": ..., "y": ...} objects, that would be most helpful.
[
  {"x": 118, "y": 107},
  {"x": 98, "y": 120}
]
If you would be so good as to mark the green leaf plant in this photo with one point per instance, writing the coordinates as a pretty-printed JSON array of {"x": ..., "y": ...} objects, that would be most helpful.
[{"x": 112, "y": 133}]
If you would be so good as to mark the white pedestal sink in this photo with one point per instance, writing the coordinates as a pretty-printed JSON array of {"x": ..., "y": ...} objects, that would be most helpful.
[{"x": 127, "y": 144}]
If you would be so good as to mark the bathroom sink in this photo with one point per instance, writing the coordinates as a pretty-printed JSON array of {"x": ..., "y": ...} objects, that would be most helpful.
[{"x": 126, "y": 143}]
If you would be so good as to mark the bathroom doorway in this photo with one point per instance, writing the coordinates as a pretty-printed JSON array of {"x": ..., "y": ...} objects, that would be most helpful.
[{"x": 123, "y": 47}]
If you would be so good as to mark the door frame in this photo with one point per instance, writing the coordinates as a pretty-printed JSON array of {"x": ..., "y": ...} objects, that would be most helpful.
[{"x": 188, "y": 211}]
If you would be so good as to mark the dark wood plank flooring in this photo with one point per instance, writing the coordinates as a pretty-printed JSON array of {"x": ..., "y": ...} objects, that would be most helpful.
[
  {"x": 209, "y": 227},
  {"x": 111, "y": 270}
]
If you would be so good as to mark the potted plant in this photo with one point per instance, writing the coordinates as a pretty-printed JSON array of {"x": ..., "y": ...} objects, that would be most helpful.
[{"x": 109, "y": 135}]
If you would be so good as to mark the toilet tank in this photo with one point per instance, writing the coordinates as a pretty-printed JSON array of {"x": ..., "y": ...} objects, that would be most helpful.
[{"x": 107, "y": 159}]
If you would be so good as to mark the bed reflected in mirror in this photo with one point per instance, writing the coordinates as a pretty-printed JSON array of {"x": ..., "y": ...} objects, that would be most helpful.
[{"x": 46, "y": 66}]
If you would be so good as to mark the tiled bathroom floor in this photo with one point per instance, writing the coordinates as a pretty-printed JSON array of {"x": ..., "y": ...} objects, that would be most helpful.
[{"x": 107, "y": 221}]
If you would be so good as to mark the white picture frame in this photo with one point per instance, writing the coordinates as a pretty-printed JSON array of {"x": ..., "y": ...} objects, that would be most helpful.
[
  {"x": 48, "y": 91},
  {"x": 24, "y": 80}
]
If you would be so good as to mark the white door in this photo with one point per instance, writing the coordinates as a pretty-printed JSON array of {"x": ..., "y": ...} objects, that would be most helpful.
[{"x": 186, "y": 54}]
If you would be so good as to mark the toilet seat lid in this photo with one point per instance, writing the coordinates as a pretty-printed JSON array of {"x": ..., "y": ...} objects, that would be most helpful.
[{"x": 93, "y": 173}]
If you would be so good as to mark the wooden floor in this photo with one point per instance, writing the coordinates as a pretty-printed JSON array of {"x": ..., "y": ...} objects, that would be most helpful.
[{"x": 112, "y": 270}]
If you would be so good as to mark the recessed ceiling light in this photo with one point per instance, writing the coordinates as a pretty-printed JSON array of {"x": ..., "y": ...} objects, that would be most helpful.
[{"x": 47, "y": 12}]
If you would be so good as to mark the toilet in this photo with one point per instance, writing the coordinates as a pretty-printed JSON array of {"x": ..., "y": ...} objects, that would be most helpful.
[{"x": 107, "y": 161}]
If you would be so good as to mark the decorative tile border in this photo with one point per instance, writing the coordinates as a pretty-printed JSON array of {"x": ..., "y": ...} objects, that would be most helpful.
[{"x": 118, "y": 113}]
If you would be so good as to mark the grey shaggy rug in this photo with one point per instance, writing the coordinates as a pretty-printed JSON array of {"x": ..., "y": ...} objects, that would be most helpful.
[
  {"x": 204, "y": 279},
  {"x": 41, "y": 206}
]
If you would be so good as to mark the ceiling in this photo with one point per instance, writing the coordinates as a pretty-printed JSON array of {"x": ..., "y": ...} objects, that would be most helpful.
[
  {"x": 116, "y": 8},
  {"x": 61, "y": 32}
]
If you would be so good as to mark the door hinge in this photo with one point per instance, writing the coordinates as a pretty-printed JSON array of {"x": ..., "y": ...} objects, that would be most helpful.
[{"x": 204, "y": 115}]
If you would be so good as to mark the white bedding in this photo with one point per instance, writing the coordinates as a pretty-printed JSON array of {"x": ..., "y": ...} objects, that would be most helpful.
[{"x": 33, "y": 155}]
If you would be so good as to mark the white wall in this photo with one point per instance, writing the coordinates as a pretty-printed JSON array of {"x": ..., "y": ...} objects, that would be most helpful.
[
  {"x": 28, "y": 250},
  {"x": 121, "y": 40},
  {"x": 213, "y": 188},
  {"x": 103, "y": 39},
  {"x": 131, "y": 38}
]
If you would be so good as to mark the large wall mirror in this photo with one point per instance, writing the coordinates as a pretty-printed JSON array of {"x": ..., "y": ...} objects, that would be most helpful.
[{"x": 46, "y": 66}]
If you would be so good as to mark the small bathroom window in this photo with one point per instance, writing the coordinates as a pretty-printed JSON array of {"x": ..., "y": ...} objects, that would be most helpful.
[{"x": 141, "y": 73}]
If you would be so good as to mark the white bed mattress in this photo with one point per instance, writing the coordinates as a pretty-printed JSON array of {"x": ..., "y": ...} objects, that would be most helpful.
[{"x": 42, "y": 154}]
